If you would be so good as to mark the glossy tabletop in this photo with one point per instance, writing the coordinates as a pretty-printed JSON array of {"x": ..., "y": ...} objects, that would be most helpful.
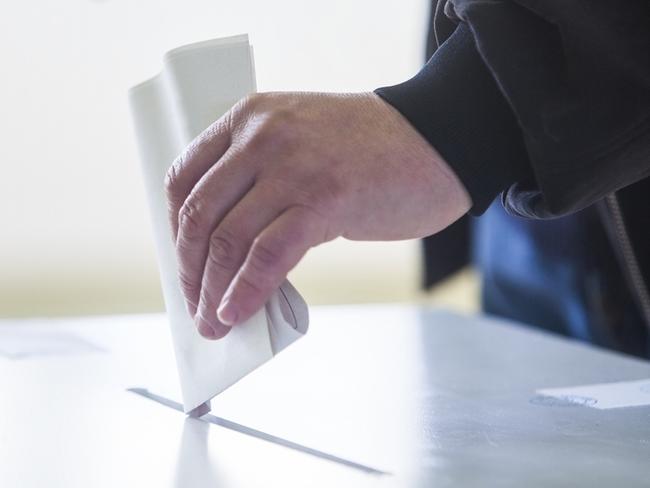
[{"x": 372, "y": 396}]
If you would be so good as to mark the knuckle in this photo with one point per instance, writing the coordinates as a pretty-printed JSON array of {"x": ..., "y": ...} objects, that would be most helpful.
[
  {"x": 207, "y": 299},
  {"x": 299, "y": 232},
  {"x": 281, "y": 117},
  {"x": 189, "y": 220},
  {"x": 245, "y": 106},
  {"x": 172, "y": 179},
  {"x": 223, "y": 126},
  {"x": 188, "y": 286},
  {"x": 277, "y": 129},
  {"x": 281, "y": 122},
  {"x": 253, "y": 284},
  {"x": 252, "y": 99},
  {"x": 223, "y": 251},
  {"x": 266, "y": 255}
]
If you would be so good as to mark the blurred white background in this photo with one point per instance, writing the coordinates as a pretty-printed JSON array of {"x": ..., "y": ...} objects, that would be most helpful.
[{"x": 75, "y": 236}]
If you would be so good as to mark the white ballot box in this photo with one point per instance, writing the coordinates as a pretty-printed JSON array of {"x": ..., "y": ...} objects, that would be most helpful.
[{"x": 373, "y": 396}]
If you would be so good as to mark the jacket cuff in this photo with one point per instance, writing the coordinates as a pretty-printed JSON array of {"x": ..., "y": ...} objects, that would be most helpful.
[{"x": 455, "y": 103}]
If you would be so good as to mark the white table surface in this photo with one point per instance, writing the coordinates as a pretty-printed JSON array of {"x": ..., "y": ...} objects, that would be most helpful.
[{"x": 425, "y": 397}]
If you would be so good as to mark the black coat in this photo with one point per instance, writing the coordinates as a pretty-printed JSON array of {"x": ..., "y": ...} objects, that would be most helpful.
[{"x": 546, "y": 103}]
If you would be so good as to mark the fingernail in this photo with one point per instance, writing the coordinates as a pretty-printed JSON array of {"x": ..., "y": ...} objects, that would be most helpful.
[
  {"x": 227, "y": 312},
  {"x": 204, "y": 328}
]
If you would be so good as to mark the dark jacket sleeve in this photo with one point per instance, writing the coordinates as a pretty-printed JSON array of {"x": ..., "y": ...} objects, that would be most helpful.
[
  {"x": 455, "y": 103},
  {"x": 576, "y": 77}
]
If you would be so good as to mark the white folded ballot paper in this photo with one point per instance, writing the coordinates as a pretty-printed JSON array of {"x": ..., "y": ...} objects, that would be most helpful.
[{"x": 199, "y": 83}]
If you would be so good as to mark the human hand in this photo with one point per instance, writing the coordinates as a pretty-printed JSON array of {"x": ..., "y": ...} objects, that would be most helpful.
[{"x": 283, "y": 172}]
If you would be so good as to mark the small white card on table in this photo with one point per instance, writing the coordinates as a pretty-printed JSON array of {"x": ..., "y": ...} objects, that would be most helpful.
[{"x": 604, "y": 395}]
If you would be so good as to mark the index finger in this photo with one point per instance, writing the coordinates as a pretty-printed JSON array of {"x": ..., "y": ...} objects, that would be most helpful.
[{"x": 188, "y": 168}]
